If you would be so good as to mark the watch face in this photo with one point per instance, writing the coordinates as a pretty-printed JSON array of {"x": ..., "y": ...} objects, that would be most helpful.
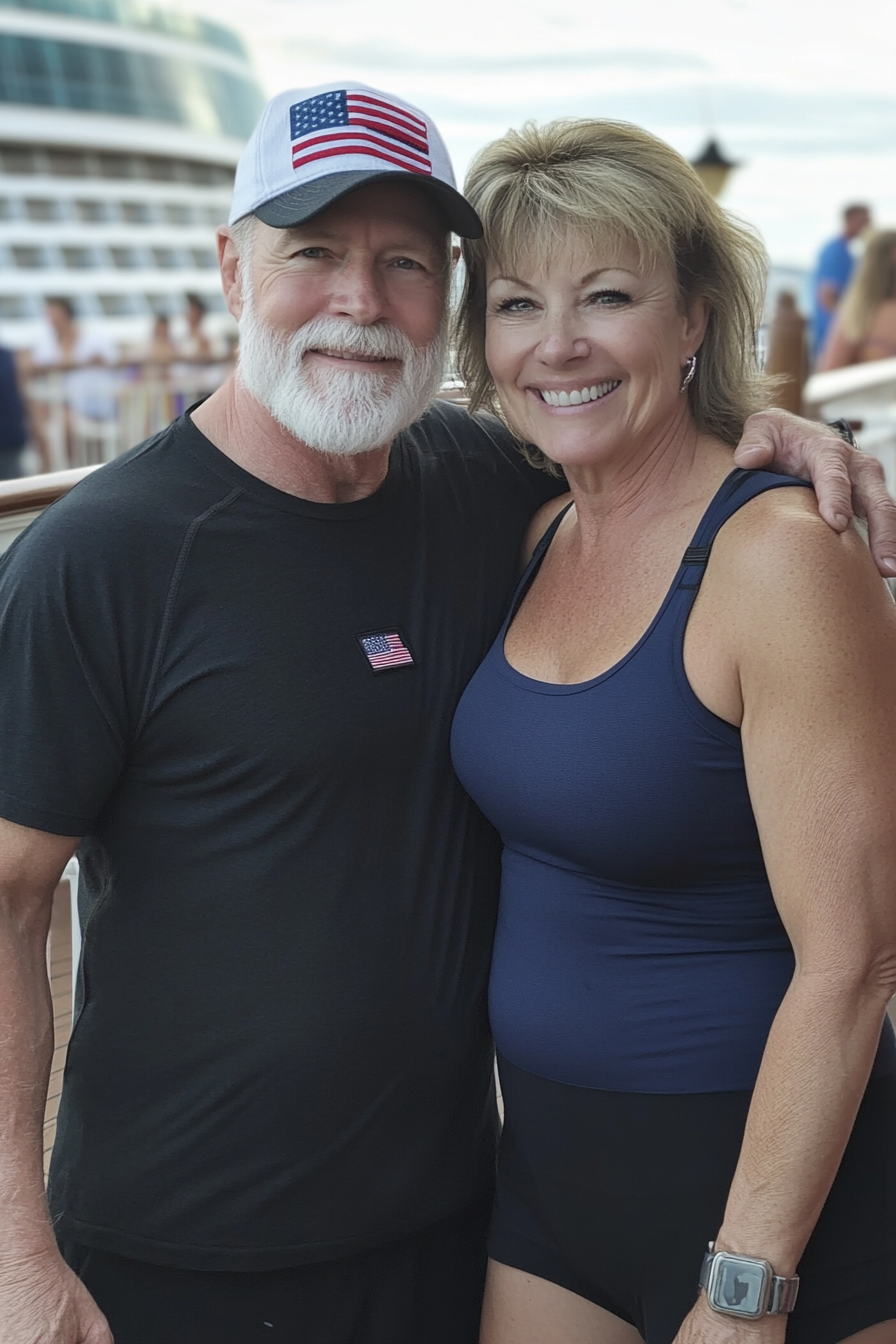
[{"x": 739, "y": 1286}]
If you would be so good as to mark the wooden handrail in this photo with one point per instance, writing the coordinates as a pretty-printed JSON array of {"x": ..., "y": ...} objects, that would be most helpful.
[{"x": 37, "y": 492}]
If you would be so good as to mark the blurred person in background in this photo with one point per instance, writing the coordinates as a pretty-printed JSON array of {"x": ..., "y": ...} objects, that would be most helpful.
[
  {"x": 161, "y": 348},
  {"x": 834, "y": 270},
  {"x": 13, "y": 420},
  {"x": 86, "y": 394},
  {"x": 865, "y": 326}
]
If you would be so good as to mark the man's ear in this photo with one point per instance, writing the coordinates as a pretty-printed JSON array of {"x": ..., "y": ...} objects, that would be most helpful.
[
  {"x": 230, "y": 264},
  {"x": 455, "y": 254}
]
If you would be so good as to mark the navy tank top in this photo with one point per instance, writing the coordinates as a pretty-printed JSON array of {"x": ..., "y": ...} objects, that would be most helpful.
[{"x": 638, "y": 946}]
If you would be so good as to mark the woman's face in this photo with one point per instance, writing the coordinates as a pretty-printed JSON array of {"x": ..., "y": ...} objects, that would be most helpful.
[{"x": 588, "y": 350}]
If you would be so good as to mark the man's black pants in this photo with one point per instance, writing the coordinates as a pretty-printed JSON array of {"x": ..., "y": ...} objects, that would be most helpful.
[{"x": 424, "y": 1289}]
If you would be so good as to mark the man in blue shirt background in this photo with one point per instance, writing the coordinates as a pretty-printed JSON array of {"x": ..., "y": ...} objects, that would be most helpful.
[{"x": 832, "y": 273}]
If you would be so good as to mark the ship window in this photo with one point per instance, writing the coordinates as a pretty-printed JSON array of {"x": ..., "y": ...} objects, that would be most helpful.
[
  {"x": 214, "y": 302},
  {"x": 18, "y": 161},
  {"x": 214, "y": 216},
  {"x": 163, "y": 305},
  {"x": 91, "y": 212},
  {"x": 203, "y": 257},
  {"x": 178, "y": 214},
  {"x": 116, "y": 305},
  {"x": 42, "y": 210},
  {"x": 125, "y": 258},
  {"x": 136, "y": 212},
  {"x": 13, "y": 306},
  {"x": 162, "y": 170},
  {"x": 210, "y": 175},
  {"x": 45, "y": 72},
  {"x": 6, "y": 211},
  {"x": 77, "y": 258},
  {"x": 29, "y": 258},
  {"x": 67, "y": 163},
  {"x": 116, "y": 165},
  {"x": 166, "y": 258}
]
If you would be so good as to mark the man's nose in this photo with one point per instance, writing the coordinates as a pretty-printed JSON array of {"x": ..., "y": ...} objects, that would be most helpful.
[{"x": 358, "y": 294}]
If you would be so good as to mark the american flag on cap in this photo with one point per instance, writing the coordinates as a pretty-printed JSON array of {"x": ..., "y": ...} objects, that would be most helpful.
[{"x": 344, "y": 121}]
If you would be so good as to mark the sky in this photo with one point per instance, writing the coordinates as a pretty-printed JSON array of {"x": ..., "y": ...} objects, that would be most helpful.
[{"x": 802, "y": 94}]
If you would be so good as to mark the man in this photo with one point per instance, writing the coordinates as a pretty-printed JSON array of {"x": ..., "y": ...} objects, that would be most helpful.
[
  {"x": 237, "y": 654},
  {"x": 833, "y": 271}
]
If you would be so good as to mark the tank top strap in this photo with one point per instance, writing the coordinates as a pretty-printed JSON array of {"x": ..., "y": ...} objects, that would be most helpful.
[
  {"x": 737, "y": 489},
  {"x": 534, "y": 564}
]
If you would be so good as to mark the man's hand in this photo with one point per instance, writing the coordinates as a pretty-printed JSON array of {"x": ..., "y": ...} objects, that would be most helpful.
[
  {"x": 43, "y": 1302},
  {"x": 846, "y": 482}
]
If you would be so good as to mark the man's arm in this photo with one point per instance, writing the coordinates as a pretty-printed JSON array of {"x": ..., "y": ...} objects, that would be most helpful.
[
  {"x": 41, "y": 1300},
  {"x": 847, "y": 482},
  {"x": 827, "y": 293}
]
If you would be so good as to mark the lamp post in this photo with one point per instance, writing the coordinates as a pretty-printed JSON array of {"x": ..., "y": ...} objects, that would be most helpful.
[{"x": 713, "y": 168}]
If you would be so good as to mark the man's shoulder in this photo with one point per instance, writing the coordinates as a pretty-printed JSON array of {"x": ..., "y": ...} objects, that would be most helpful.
[
  {"x": 153, "y": 490},
  {"x": 477, "y": 448}
]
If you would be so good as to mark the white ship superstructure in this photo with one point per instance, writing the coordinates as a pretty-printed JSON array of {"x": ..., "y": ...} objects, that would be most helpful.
[{"x": 120, "y": 128}]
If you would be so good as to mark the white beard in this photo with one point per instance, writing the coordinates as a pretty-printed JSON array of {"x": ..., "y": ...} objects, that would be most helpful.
[{"x": 342, "y": 414}]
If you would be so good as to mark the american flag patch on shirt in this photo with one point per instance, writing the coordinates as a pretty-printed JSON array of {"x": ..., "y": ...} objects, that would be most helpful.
[
  {"x": 358, "y": 123},
  {"x": 386, "y": 650}
]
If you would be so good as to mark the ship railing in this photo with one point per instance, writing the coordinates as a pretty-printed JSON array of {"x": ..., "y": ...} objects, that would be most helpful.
[
  {"x": 87, "y": 414},
  {"x": 865, "y": 395}
]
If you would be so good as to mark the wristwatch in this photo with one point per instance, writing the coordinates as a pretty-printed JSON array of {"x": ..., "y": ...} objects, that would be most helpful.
[{"x": 739, "y": 1285}]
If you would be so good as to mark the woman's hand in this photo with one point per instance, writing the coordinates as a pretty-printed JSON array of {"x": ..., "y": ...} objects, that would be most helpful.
[
  {"x": 702, "y": 1325},
  {"x": 847, "y": 482}
]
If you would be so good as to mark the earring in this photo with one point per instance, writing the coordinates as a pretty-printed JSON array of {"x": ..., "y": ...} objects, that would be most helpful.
[{"x": 690, "y": 369}]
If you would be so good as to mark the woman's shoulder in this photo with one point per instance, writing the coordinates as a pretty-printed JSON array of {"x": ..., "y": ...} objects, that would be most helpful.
[
  {"x": 541, "y": 521},
  {"x": 778, "y": 553}
]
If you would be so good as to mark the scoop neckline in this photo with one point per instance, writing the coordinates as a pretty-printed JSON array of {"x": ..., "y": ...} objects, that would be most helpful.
[{"x": 538, "y": 686}]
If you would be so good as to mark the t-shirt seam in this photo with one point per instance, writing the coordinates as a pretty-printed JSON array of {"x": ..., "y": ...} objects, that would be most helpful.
[{"x": 180, "y": 565}]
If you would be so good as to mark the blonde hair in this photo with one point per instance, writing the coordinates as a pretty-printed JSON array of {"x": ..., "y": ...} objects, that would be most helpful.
[
  {"x": 873, "y": 283},
  {"x": 607, "y": 182}
]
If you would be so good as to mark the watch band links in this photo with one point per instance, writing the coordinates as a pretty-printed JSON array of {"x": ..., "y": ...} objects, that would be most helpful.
[{"x": 782, "y": 1297}]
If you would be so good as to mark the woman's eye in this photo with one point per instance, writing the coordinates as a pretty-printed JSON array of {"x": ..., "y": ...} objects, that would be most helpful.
[
  {"x": 517, "y": 305},
  {"x": 608, "y": 298}
]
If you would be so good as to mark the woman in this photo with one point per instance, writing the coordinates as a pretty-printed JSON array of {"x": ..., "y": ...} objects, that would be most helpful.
[
  {"x": 865, "y": 326},
  {"x": 689, "y": 707}
]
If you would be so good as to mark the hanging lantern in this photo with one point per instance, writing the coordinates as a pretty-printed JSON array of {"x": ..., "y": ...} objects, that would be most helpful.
[{"x": 713, "y": 168}]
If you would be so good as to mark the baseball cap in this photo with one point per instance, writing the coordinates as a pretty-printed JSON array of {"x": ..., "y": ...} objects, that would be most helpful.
[{"x": 312, "y": 146}]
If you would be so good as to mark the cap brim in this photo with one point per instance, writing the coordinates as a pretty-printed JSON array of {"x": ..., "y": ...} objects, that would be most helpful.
[{"x": 303, "y": 203}]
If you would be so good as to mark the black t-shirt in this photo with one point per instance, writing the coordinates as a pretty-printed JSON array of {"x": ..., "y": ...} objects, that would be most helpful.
[{"x": 283, "y": 1052}]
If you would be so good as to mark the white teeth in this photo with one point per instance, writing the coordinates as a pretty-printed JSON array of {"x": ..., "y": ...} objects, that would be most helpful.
[{"x": 577, "y": 398}]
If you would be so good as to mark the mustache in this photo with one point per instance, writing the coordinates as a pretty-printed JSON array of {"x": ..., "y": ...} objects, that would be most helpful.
[{"x": 380, "y": 341}]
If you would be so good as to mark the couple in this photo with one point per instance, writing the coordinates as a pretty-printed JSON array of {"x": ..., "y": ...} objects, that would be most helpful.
[{"x": 237, "y": 654}]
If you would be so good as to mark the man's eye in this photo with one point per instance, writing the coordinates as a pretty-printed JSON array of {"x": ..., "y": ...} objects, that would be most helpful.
[{"x": 407, "y": 264}]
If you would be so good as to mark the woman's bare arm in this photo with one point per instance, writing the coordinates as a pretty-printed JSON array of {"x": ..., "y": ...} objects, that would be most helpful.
[{"x": 812, "y": 637}]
